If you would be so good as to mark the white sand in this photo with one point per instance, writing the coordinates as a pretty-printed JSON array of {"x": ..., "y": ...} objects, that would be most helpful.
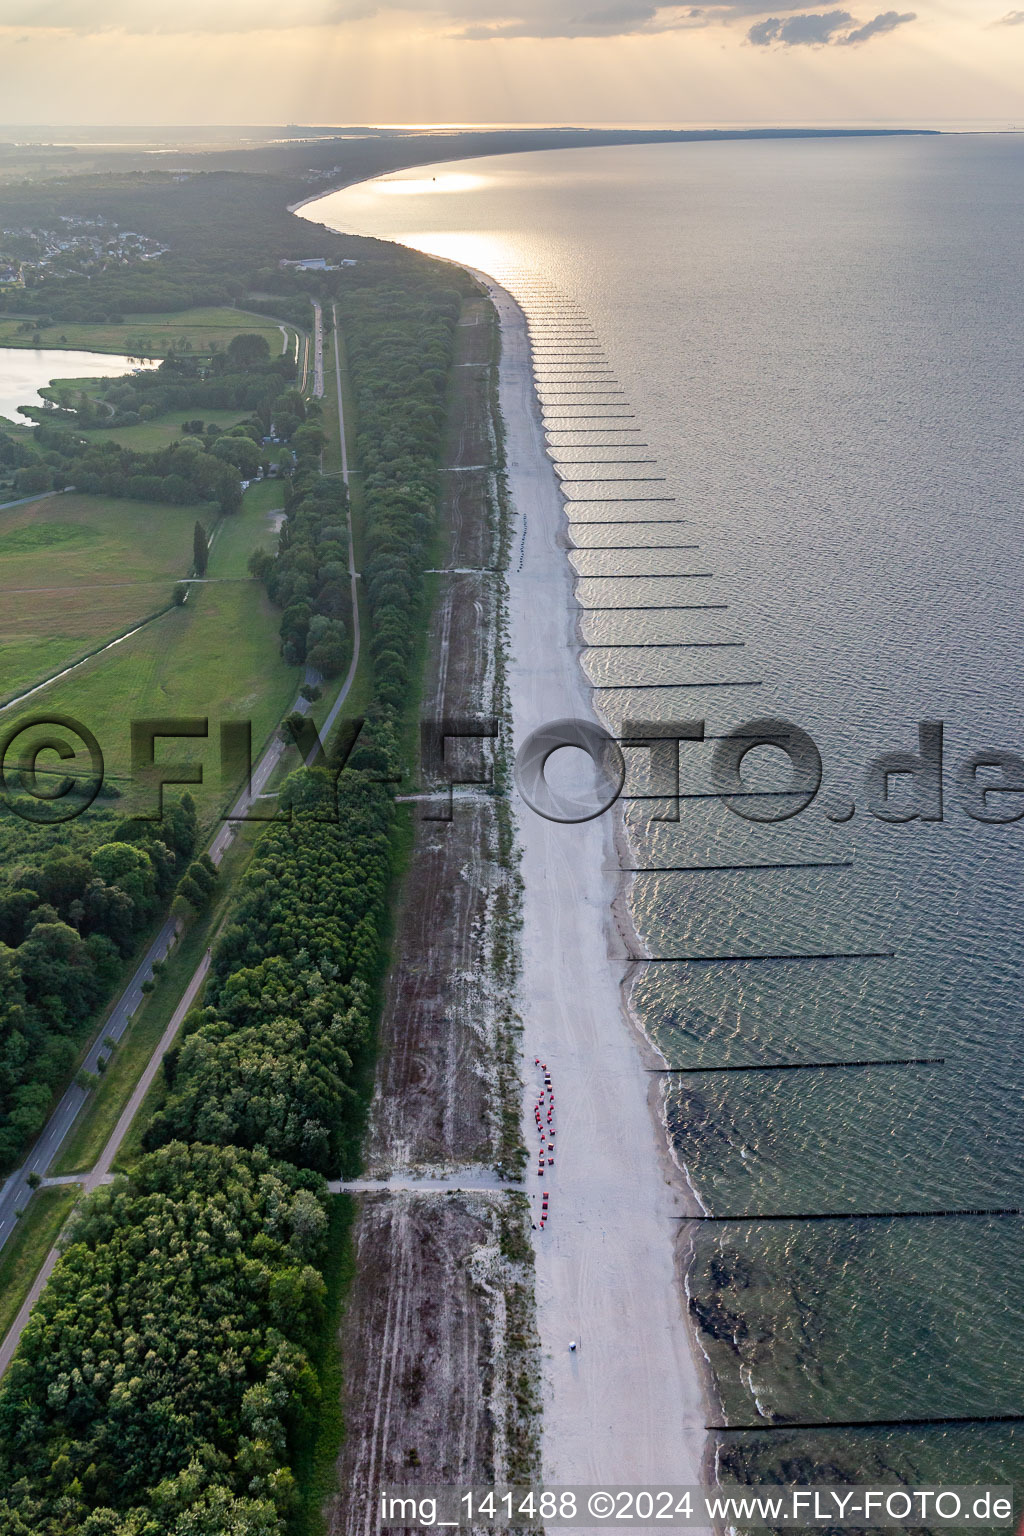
[{"x": 628, "y": 1407}]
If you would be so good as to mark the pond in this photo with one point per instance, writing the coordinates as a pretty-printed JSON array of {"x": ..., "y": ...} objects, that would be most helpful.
[{"x": 24, "y": 371}]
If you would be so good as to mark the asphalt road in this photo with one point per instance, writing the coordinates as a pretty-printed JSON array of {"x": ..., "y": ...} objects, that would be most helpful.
[
  {"x": 318, "y": 351},
  {"x": 16, "y": 1191},
  {"x": 101, "y": 1173}
]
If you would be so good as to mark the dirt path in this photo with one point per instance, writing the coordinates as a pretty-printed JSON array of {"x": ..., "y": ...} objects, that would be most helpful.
[{"x": 438, "y": 1337}]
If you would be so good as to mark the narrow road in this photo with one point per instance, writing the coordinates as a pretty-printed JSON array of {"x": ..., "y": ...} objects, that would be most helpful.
[
  {"x": 353, "y": 575},
  {"x": 22, "y": 501},
  {"x": 101, "y": 1173},
  {"x": 16, "y": 1192},
  {"x": 318, "y": 351}
]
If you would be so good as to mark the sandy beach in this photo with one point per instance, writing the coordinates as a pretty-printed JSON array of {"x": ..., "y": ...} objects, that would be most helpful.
[{"x": 627, "y": 1407}]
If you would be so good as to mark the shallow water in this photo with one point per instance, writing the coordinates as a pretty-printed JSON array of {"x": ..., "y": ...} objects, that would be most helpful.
[
  {"x": 23, "y": 372},
  {"x": 819, "y": 346}
]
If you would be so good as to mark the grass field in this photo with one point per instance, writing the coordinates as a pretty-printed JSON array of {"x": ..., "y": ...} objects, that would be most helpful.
[
  {"x": 162, "y": 431},
  {"x": 179, "y": 668},
  {"x": 75, "y": 570},
  {"x": 255, "y": 527},
  {"x": 193, "y": 330},
  {"x": 148, "y": 436},
  {"x": 28, "y": 1246},
  {"x": 20, "y": 430},
  {"x": 216, "y": 658}
]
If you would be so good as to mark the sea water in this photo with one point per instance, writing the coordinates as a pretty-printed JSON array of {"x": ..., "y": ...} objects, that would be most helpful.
[{"x": 818, "y": 348}]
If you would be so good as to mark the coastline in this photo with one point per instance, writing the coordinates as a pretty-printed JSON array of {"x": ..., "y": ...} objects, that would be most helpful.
[{"x": 631, "y": 1405}]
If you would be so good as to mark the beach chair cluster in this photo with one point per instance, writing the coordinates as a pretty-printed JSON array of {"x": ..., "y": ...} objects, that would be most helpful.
[{"x": 544, "y": 1114}]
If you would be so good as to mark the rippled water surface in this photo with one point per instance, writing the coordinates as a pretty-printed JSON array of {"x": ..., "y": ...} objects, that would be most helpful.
[{"x": 810, "y": 358}]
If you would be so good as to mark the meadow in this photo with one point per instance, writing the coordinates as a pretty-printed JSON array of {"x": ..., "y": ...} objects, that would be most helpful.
[
  {"x": 216, "y": 657},
  {"x": 162, "y": 431},
  {"x": 147, "y": 436},
  {"x": 255, "y": 527},
  {"x": 75, "y": 570},
  {"x": 191, "y": 330}
]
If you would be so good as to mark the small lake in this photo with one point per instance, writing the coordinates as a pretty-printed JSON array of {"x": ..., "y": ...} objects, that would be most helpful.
[{"x": 24, "y": 371}]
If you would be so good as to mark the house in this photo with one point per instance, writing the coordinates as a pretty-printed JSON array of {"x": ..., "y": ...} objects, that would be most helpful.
[{"x": 309, "y": 264}]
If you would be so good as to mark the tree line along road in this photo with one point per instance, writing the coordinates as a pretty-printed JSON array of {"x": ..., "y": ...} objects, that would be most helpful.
[{"x": 17, "y": 1190}]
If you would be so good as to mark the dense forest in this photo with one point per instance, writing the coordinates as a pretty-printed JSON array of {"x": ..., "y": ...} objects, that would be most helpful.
[
  {"x": 269, "y": 1061},
  {"x": 242, "y": 378},
  {"x": 308, "y": 579},
  {"x": 73, "y": 903},
  {"x": 181, "y": 474},
  {"x": 226, "y": 232},
  {"x": 164, "y": 1384},
  {"x": 166, "y": 1364},
  {"x": 400, "y": 341}
]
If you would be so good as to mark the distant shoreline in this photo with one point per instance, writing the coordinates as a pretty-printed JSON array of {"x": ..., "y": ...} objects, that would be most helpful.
[{"x": 443, "y": 151}]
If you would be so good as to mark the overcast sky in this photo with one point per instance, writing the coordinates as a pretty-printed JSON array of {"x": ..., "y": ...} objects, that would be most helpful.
[{"x": 506, "y": 61}]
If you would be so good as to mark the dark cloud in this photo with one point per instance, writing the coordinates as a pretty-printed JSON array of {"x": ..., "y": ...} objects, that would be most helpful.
[
  {"x": 1011, "y": 19},
  {"x": 796, "y": 31},
  {"x": 733, "y": 10},
  {"x": 818, "y": 30},
  {"x": 573, "y": 18},
  {"x": 607, "y": 21},
  {"x": 468, "y": 19},
  {"x": 887, "y": 21}
]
